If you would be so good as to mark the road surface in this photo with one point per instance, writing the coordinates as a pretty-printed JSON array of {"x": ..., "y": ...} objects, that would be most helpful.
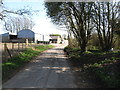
[
  {"x": 51, "y": 69},
  {"x": 48, "y": 70}
]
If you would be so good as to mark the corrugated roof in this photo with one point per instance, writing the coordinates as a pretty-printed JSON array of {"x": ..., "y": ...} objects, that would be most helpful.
[
  {"x": 26, "y": 33},
  {"x": 54, "y": 37},
  {"x": 8, "y": 33}
]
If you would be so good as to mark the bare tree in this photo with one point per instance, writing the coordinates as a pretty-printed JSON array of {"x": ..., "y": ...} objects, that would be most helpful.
[
  {"x": 15, "y": 24},
  {"x": 105, "y": 15}
]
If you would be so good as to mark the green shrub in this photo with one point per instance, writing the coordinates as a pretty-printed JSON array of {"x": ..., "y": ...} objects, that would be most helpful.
[{"x": 103, "y": 65}]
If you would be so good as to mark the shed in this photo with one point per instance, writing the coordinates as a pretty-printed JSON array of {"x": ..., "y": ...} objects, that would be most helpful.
[
  {"x": 26, "y": 34},
  {"x": 8, "y": 37},
  {"x": 55, "y": 38}
]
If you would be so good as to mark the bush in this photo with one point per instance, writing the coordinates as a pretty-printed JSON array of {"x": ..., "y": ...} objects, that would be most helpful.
[{"x": 104, "y": 66}]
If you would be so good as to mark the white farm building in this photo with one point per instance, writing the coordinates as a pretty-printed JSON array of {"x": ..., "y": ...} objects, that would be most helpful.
[
  {"x": 55, "y": 38},
  {"x": 31, "y": 36}
]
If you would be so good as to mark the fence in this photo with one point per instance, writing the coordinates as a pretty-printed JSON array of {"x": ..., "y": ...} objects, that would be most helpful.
[{"x": 11, "y": 49}]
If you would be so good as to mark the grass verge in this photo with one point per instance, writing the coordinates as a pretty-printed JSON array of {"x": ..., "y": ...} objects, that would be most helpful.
[
  {"x": 102, "y": 65},
  {"x": 15, "y": 63}
]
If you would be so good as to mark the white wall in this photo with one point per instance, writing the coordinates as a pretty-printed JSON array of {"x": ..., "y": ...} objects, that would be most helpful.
[
  {"x": 41, "y": 37},
  {"x": 38, "y": 37},
  {"x": 46, "y": 37}
]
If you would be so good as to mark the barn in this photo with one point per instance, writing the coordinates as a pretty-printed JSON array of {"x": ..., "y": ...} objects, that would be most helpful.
[
  {"x": 26, "y": 34},
  {"x": 55, "y": 38},
  {"x": 8, "y": 37}
]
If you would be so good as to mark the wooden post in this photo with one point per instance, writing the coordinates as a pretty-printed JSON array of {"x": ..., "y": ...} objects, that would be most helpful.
[
  {"x": 13, "y": 48},
  {"x": 26, "y": 43},
  {"x": 22, "y": 45},
  {"x": 30, "y": 44},
  {"x": 5, "y": 51},
  {"x": 18, "y": 46}
]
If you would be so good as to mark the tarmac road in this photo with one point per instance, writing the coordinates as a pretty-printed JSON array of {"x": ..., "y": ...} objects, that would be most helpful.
[{"x": 49, "y": 70}]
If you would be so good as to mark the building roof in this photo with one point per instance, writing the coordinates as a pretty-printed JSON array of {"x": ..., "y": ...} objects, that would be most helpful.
[
  {"x": 7, "y": 34},
  {"x": 54, "y": 37},
  {"x": 26, "y": 33}
]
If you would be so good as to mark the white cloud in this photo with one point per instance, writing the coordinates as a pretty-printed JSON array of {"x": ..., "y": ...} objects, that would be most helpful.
[{"x": 44, "y": 26}]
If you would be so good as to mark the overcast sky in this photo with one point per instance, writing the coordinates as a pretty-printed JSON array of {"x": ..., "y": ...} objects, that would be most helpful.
[{"x": 43, "y": 24}]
